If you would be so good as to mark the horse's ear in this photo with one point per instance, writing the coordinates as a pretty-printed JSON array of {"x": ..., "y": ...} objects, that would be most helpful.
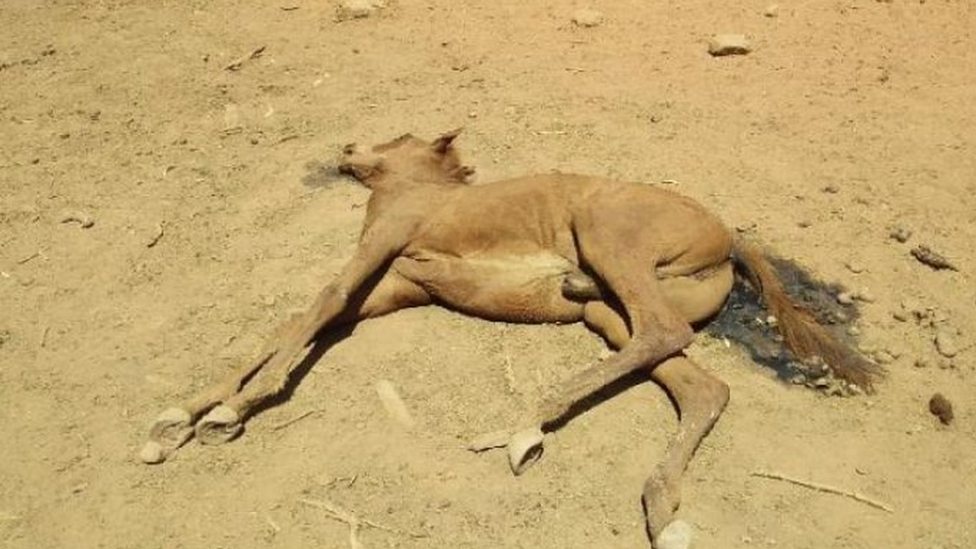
[{"x": 443, "y": 143}]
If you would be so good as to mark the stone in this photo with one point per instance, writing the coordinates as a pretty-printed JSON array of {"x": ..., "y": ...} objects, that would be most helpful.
[
  {"x": 864, "y": 295},
  {"x": 945, "y": 343},
  {"x": 845, "y": 298},
  {"x": 922, "y": 363},
  {"x": 729, "y": 44},
  {"x": 883, "y": 357},
  {"x": 941, "y": 408},
  {"x": 854, "y": 266},
  {"x": 587, "y": 17},
  {"x": 771, "y": 10},
  {"x": 899, "y": 233},
  {"x": 896, "y": 351},
  {"x": 357, "y": 9}
]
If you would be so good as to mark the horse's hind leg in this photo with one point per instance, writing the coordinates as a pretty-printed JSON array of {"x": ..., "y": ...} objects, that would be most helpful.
[{"x": 699, "y": 398}]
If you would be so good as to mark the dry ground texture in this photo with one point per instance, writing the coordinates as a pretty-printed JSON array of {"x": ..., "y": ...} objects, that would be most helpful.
[{"x": 213, "y": 218}]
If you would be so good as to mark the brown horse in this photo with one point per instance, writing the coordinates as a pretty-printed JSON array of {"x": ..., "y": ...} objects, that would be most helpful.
[{"x": 638, "y": 264}]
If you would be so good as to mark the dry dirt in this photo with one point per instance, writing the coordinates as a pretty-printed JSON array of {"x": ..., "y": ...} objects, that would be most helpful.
[{"x": 848, "y": 118}]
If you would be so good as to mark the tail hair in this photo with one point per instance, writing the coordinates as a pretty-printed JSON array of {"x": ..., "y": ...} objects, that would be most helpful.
[{"x": 806, "y": 338}]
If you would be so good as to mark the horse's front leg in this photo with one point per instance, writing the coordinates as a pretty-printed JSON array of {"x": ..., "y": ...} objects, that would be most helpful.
[{"x": 231, "y": 399}]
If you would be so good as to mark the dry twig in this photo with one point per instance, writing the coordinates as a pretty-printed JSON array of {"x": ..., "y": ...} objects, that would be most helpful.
[
  {"x": 933, "y": 259},
  {"x": 32, "y": 256},
  {"x": 295, "y": 419},
  {"x": 237, "y": 63},
  {"x": 156, "y": 236},
  {"x": 335, "y": 512},
  {"x": 825, "y": 488}
]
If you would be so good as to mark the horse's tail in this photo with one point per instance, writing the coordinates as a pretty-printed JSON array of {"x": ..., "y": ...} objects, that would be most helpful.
[{"x": 803, "y": 335}]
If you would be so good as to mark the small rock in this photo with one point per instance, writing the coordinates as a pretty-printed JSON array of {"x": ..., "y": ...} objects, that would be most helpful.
[
  {"x": 933, "y": 259},
  {"x": 866, "y": 348},
  {"x": 901, "y": 315},
  {"x": 587, "y": 18},
  {"x": 728, "y": 44},
  {"x": 945, "y": 343},
  {"x": 864, "y": 295},
  {"x": 854, "y": 266},
  {"x": 81, "y": 218},
  {"x": 771, "y": 10},
  {"x": 831, "y": 189},
  {"x": 357, "y": 9},
  {"x": 845, "y": 298},
  {"x": 922, "y": 363},
  {"x": 901, "y": 234},
  {"x": 911, "y": 305},
  {"x": 945, "y": 364},
  {"x": 896, "y": 351},
  {"x": 883, "y": 357},
  {"x": 941, "y": 408},
  {"x": 853, "y": 331}
]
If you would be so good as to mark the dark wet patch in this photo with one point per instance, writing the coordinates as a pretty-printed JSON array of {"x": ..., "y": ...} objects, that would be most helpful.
[
  {"x": 320, "y": 175},
  {"x": 743, "y": 320}
]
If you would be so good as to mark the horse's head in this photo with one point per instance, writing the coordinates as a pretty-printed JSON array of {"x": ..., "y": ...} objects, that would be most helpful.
[{"x": 405, "y": 161}]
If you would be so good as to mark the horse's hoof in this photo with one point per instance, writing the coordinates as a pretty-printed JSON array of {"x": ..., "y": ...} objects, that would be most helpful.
[
  {"x": 221, "y": 425},
  {"x": 524, "y": 449},
  {"x": 676, "y": 535},
  {"x": 169, "y": 431}
]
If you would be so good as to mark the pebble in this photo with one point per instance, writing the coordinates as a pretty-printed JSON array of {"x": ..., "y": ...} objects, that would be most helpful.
[
  {"x": 845, "y": 298},
  {"x": 901, "y": 234},
  {"x": 729, "y": 44},
  {"x": 922, "y": 363},
  {"x": 587, "y": 17},
  {"x": 771, "y": 10},
  {"x": 941, "y": 408},
  {"x": 357, "y": 9},
  {"x": 883, "y": 357},
  {"x": 81, "y": 218},
  {"x": 864, "y": 295},
  {"x": 896, "y": 351},
  {"x": 945, "y": 343},
  {"x": 854, "y": 266}
]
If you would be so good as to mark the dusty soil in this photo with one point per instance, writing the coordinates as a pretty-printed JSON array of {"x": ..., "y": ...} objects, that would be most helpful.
[{"x": 848, "y": 118}]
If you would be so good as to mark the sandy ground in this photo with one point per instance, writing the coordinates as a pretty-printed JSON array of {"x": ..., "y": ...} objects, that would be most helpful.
[{"x": 848, "y": 118}]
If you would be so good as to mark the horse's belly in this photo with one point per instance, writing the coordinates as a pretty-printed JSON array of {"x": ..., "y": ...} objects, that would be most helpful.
[{"x": 516, "y": 288}]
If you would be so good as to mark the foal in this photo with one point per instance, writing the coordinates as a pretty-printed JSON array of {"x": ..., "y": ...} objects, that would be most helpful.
[{"x": 638, "y": 264}]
